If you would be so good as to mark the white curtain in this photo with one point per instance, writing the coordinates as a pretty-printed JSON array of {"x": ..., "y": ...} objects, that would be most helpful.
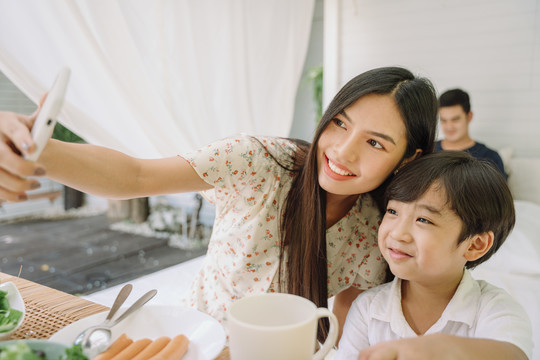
[{"x": 158, "y": 77}]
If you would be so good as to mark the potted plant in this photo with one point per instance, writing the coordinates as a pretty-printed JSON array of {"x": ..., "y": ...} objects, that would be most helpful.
[{"x": 315, "y": 77}]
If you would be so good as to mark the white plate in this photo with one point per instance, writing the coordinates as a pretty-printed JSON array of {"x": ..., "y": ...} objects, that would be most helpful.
[
  {"x": 15, "y": 302},
  {"x": 206, "y": 335}
]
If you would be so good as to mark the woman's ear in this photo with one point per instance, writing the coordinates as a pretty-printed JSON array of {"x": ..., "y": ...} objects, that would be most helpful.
[
  {"x": 405, "y": 161},
  {"x": 416, "y": 155},
  {"x": 479, "y": 245}
]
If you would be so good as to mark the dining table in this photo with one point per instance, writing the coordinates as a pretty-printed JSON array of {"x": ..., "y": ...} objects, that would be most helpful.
[{"x": 49, "y": 310}]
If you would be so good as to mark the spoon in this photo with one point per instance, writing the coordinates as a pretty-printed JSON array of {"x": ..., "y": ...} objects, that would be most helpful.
[
  {"x": 120, "y": 299},
  {"x": 98, "y": 338}
]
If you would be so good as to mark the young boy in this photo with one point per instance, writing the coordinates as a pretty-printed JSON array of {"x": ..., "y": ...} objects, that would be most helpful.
[{"x": 447, "y": 212}]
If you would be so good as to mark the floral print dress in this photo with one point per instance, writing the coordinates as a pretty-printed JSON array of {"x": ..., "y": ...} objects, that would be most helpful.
[{"x": 250, "y": 189}]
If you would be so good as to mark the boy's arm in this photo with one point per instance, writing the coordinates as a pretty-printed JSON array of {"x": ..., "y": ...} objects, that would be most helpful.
[
  {"x": 342, "y": 304},
  {"x": 355, "y": 330},
  {"x": 443, "y": 347}
]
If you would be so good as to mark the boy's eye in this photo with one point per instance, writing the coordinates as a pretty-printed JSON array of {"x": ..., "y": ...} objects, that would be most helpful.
[
  {"x": 375, "y": 144},
  {"x": 424, "y": 220},
  {"x": 391, "y": 211}
]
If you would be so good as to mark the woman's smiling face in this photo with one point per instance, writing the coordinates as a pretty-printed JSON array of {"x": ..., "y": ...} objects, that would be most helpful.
[{"x": 361, "y": 146}]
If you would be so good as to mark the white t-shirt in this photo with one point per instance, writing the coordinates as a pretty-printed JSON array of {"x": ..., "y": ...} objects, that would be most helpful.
[
  {"x": 249, "y": 192},
  {"x": 477, "y": 310}
]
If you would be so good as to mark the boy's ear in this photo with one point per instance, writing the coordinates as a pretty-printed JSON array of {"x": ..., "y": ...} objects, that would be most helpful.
[{"x": 479, "y": 245}]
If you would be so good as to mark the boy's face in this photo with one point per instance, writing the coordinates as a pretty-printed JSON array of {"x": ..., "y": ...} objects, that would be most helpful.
[
  {"x": 454, "y": 122},
  {"x": 419, "y": 240}
]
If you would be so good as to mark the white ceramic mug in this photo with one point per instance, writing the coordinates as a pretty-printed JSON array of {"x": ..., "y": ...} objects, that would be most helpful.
[{"x": 275, "y": 326}]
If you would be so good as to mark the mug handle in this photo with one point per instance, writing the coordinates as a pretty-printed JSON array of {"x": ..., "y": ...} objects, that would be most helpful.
[{"x": 332, "y": 334}]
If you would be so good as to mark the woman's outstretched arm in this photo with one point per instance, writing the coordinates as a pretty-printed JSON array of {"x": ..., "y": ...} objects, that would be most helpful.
[
  {"x": 108, "y": 173},
  {"x": 89, "y": 168}
]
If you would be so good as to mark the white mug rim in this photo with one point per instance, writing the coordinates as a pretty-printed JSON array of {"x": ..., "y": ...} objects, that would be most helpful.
[{"x": 245, "y": 324}]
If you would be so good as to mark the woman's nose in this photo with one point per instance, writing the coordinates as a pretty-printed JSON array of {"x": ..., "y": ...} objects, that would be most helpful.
[{"x": 348, "y": 149}]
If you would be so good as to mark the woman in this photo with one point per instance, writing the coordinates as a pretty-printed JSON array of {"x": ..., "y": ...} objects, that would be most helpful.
[
  {"x": 377, "y": 122},
  {"x": 294, "y": 217}
]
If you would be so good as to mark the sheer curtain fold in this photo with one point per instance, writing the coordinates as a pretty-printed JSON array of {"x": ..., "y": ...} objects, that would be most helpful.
[{"x": 160, "y": 77}]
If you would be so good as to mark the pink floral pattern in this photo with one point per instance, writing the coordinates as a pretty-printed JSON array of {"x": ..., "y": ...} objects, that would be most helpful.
[{"x": 243, "y": 254}]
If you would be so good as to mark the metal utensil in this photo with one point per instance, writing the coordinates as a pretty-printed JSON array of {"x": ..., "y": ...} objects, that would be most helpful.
[
  {"x": 120, "y": 299},
  {"x": 98, "y": 338}
]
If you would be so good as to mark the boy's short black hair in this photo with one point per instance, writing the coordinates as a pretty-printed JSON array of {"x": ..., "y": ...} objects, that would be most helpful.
[
  {"x": 475, "y": 190},
  {"x": 455, "y": 97}
]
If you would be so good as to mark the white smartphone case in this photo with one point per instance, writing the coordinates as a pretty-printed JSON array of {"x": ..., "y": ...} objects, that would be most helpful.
[{"x": 46, "y": 119}]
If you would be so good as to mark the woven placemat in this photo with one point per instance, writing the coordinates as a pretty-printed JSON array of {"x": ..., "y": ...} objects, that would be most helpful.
[{"x": 48, "y": 310}]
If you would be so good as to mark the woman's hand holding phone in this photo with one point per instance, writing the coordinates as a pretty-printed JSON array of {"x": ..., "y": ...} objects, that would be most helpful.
[
  {"x": 15, "y": 142},
  {"x": 23, "y": 138}
]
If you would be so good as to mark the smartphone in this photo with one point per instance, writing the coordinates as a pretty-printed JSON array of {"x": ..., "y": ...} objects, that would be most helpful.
[{"x": 46, "y": 118}]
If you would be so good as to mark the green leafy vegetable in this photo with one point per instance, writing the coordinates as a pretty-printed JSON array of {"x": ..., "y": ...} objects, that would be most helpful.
[
  {"x": 18, "y": 351},
  {"x": 9, "y": 318},
  {"x": 21, "y": 351},
  {"x": 4, "y": 303},
  {"x": 75, "y": 353}
]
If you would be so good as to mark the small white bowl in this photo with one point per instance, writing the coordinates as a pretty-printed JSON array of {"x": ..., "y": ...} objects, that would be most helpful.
[{"x": 15, "y": 302}]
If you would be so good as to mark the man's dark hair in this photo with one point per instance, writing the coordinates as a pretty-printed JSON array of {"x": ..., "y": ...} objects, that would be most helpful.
[{"x": 455, "y": 97}]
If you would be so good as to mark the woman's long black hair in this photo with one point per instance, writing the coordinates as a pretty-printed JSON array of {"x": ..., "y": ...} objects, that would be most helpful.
[{"x": 303, "y": 226}]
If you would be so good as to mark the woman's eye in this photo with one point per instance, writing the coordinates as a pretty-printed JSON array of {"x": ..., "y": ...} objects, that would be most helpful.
[
  {"x": 391, "y": 211},
  {"x": 375, "y": 144},
  {"x": 339, "y": 123},
  {"x": 424, "y": 220}
]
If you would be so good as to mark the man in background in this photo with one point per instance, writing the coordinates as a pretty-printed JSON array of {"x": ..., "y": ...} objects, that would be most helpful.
[{"x": 455, "y": 115}]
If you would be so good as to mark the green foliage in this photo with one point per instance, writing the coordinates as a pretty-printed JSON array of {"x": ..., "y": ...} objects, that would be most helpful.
[
  {"x": 18, "y": 351},
  {"x": 64, "y": 134},
  {"x": 9, "y": 318},
  {"x": 21, "y": 351},
  {"x": 315, "y": 77},
  {"x": 75, "y": 353}
]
